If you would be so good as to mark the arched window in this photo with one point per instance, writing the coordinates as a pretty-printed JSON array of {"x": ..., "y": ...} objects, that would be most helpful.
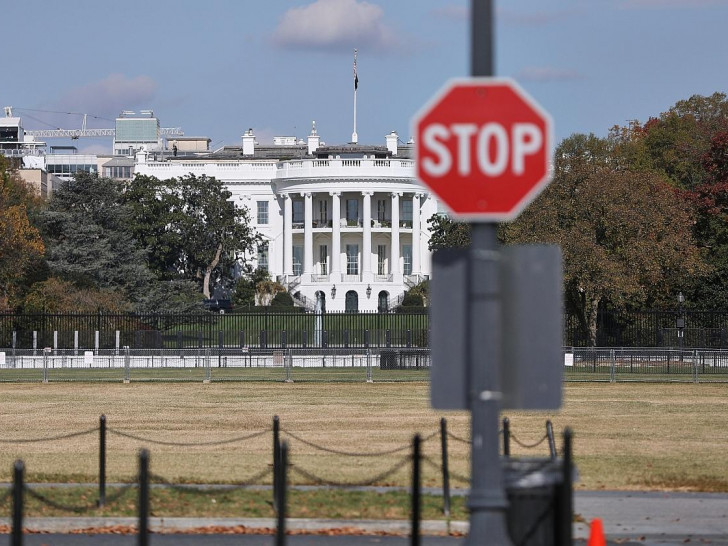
[
  {"x": 352, "y": 302},
  {"x": 383, "y": 304},
  {"x": 320, "y": 305}
]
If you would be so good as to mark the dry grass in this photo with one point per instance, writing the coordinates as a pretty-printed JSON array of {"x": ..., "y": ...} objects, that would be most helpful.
[{"x": 626, "y": 435}]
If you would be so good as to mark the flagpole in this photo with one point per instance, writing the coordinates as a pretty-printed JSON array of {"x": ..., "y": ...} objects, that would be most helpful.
[{"x": 354, "y": 136}]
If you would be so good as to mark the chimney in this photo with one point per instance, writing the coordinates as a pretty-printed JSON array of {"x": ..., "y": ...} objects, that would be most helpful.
[
  {"x": 249, "y": 142},
  {"x": 314, "y": 141},
  {"x": 392, "y": 142}
]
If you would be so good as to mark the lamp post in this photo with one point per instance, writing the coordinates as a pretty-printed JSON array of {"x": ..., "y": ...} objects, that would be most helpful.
[{"x": 680, "y": 321}]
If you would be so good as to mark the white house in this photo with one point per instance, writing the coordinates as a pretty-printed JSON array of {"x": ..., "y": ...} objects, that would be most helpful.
[{"x": 345, "y": 227}]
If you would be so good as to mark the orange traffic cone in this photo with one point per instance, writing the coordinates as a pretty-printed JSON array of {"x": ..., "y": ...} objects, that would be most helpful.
[{"x": 596, "y": 534}]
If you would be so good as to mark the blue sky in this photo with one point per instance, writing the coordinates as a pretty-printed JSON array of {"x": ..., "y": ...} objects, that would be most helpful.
[{"x": 218, "y": 67}]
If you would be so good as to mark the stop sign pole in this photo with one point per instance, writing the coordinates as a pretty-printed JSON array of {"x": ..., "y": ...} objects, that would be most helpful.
[{"x": 487, "y": 501}]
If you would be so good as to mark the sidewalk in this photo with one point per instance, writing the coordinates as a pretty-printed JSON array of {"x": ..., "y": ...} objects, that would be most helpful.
[{"x": 646, "y": 518}]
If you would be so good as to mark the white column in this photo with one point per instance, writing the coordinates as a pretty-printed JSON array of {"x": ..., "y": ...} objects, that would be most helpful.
[
  {"x": 307, "y": 234},
  {"x": 335, "y": 237},
  {"x": 416, "y": 234},
  {"x": 366, "y": 253},
  {"x": 287, "y": 235},
  {"x": 394, "y": 266}
]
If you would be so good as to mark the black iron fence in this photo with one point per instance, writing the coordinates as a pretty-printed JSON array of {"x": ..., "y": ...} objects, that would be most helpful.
[
  {"x": 702, "y": 329},
  {"x": 260, "y": 329},
  {"x": 274, "y": 329}
]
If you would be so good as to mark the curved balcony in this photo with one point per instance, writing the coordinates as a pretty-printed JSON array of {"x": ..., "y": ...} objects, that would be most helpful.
[{"x": 346, "y": 168}]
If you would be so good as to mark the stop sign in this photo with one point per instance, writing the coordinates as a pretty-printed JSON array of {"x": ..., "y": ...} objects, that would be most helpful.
[{"x": 483, "y": 146}]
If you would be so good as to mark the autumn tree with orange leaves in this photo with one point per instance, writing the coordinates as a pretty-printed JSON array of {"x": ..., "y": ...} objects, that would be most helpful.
[{"x": 21, "y": 245}]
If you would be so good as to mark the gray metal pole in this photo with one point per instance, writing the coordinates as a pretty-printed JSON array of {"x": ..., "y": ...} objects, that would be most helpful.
[{"x": 487, "y": 501}]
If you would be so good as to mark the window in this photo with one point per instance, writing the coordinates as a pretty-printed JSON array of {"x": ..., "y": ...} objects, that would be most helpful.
[
  {"x": 407, "y": 211},
  {"x": 117, "y": 172},
  {"x": 263, "y": 256},
  {"x": 381, "y": 210},
  {"x": 298, "y": 215},
  {"x": 351, "y": 304},
  {"x": 263, "y": 212},
  {"x": 352, "y": 259},
  {"x": 297, "y": 260},
  {"x": 407, "y": 257},
  {"x": 352, "y": 211},
  {"x": 323, "y": 212},
  {"x": 324, "y": 259},
  {"x": 381, "y": 259}
]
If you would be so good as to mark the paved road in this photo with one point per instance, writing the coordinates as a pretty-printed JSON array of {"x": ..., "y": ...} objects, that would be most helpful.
[{"x": 656, "y": 518}]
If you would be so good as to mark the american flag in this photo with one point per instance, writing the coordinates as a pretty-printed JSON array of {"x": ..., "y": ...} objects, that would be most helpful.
[{"x": 356, "y": 78}]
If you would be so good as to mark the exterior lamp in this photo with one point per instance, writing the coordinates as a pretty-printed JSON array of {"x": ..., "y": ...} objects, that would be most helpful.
[
  {"x": 680, "y": 321},
  {"x": 369, "y": 290},
  {"x": 333, "y": 291}
]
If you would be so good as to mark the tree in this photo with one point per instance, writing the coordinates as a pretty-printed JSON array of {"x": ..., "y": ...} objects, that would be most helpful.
[
  {"x": 282, "y": 299},
  {"x": 447, "y": 233},
  {"x": 190, "y": 227},
  {"x": 626, "y": 236},
  {"x": 21, "y": 245},
  {"x": 246, "y": 287},
  {"x": 58, "y": 296},
  {"x": 86, "y": 228},
  {"x": 156, "y": 211},
  {"x": 688, "y": 146}
]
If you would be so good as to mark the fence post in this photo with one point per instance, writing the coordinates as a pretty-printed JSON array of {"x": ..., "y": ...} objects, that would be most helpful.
[
  {"x": 46, "y": 352},
  {"x": 96, "y": 342},
  {"x": 143, "y": 508},
  {"x": 282, "y": 484},
  {"x": 695, "y": 366},
  {"x": 127, "y": 364},
  {"x": 445, "y": 469},
  {"x": 288, "y": 363},
  {"x": 276, "y": 460},
  {"x": 612, "y": 366},
  {"x": 102, "y": 460},
  {"x": 506, "y": 437},
  {"x": 117, "y": 342},
  {"x": 18, "y": 487},
  {"x": 388, "y": 338},
  {"x": 55, "y": 341},
  {"x": 220, "y": 345},
  {"x": 416, "y": 502},
  {"x": 564, "y": 526},
  {"x": 35, "y": 342},
  {"x": 369, "y": 366},
  {"x": 408, "y": 338},
  {"x": 550, "y": 436},
  {"x": 208, "y": 371}
]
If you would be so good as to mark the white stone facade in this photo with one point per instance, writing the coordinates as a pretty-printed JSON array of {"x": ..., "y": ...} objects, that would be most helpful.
[{"x": 345, "y": 226}]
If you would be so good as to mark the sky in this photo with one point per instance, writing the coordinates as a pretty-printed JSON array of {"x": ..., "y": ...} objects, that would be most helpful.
[{"x": 218, "y": 67}]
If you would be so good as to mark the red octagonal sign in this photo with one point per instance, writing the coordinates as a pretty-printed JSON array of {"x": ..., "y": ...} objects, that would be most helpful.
[{"x": 483, "y": 146}]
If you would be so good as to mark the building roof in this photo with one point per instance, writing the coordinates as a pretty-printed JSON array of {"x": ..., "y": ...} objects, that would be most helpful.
[{"x": 300, "y": 151}]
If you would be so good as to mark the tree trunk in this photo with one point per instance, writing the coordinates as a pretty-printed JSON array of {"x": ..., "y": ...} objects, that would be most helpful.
[
  {"x": 593, "y": 314},
  {"x": 208, "y": 272}
]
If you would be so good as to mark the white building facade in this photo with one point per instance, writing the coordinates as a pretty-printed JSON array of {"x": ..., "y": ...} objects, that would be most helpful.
[{"x": 345, "y": 227}]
